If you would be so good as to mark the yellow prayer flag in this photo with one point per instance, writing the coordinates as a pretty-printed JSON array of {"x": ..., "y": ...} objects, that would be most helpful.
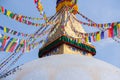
[
  {"x": 119, "y": 25},
  {"x": 40, "y": 7},
  {"x": 5, "y": 30},
  {"x": 98, "y": 36},
  {"x": 94, "y": 24},
  {"x": 5, "y": 37},
  {"x": 8, "y": 13},
  {"x": 86, "y": 39},
  {"x": 9, "y": 46}
]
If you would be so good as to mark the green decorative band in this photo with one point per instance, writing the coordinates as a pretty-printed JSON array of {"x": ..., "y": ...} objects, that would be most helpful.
[{"x": 64, "y": 39}]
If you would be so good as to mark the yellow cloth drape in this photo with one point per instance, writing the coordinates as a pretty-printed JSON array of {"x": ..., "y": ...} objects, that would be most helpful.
[{"x": 69, "y": 4}]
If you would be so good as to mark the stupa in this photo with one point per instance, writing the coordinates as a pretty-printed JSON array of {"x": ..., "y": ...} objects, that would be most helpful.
[
  {"x": 70, "y": 57},
  {"x": 60, "y": 42},
  {"x": 66, "y": 67}
]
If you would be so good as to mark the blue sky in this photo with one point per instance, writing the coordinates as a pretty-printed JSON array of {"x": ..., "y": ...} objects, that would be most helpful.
[{"x": 100, "y": 11}]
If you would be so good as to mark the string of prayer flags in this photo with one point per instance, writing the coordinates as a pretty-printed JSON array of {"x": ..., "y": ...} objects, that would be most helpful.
[
  {"x": 13, "y": 62},
  {"x": 95, "y": 35},
  {"x": 7, "y": 60},
  {"x": 32, "y": 46},
  {"x": 89, "y": 20},
  {"x": 40, "y": 9},
  {"x": 10, "y": 44},
  {"x": 15, "y": 45},
  {"x": 12, "y": 71},
  {"x": 31, "y": 18},
  {"x": 13, "y": 32},
  {"x": 104, "y": 26},
  {"x": 21, "y": 19},
  {"x": 8, "y": 13},
  {"x": 113, "y": 31},
  {"x": 4, "y": 63},
  {"x": 39, "y": 6}
]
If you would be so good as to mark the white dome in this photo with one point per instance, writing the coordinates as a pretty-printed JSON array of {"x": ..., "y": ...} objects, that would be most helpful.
[{"x": 67, "y": 67}]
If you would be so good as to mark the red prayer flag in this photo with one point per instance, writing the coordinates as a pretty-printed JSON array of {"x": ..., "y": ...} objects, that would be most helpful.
[
  {"x": 2, "y": 9},
  {"x": 20, "y": 19},
  {"x": 93, "y": 36},
  {"x": 13, "y": 47},
  {"x": 3, "y": 44},
  {"x": 35, "y": 1},
  {"x": 110, "y": 32}
]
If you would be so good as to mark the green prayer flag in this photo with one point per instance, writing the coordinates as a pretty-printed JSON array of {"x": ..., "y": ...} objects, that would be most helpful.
[
  {"x": 0, "y": 9},
  {"x": 115, "y": 30},
  {"x": 7, "y": 30},
  {"x": 11, "y": 15}
]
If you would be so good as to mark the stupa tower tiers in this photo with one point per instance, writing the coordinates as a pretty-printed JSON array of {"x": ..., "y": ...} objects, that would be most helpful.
[{"x": 62, "y": 39}]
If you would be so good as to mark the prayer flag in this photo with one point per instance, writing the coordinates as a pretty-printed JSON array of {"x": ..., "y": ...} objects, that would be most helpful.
[
  {"x": 0, "y": 9},
  {"x": 8, "y": 13},
  {"x": 6, "y": 30},
  {"x": 89, "y": 38},
  {"x": 1, "y": 28},
  {"x": 35, "y": 1},
  {"x": 9, "y": 43},
  {"x": 3, "y": 10},
  {"x": 11, "y": 15},
  {"x": 118, "y": 29},
  {"x": 102, "y": 35},
  {"x": 5, "y": 13},
  {"x": 86, "y": 38},
  {"x": 98, "y": 37},
  {"x": 4, "y": 43},
  {"x": 110, "y": 32},
  {"x": 13, "y": 47},
  {"x": 115, "y": 30},
  {"x": 93, "y": 36}
]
